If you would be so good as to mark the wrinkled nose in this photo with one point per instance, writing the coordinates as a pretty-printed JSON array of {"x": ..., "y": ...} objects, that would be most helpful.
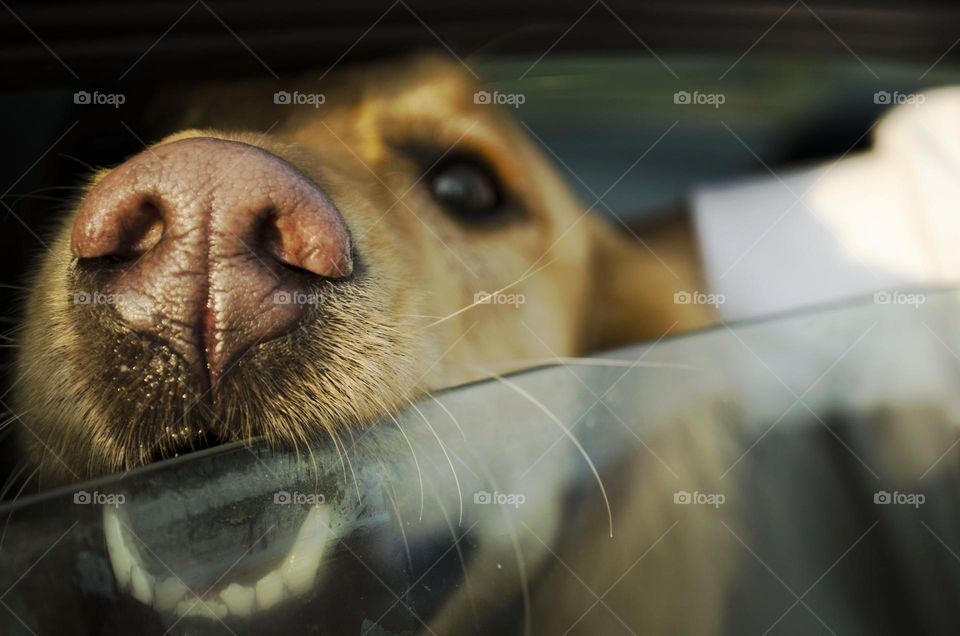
[{"x": 211, "y": 246}]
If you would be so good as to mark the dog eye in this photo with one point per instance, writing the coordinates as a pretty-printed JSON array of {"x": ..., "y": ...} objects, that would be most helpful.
[{"x": 467, "y": 190}]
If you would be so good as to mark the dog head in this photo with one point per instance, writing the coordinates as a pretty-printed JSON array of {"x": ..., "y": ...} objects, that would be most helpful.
[{"x": 290, "y": 264}]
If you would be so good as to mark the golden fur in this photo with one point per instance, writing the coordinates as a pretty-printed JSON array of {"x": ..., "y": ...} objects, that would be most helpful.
[{"x": 97, "y": 397}]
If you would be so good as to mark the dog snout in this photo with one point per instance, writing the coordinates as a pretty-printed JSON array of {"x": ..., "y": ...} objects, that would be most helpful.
[{"x": 210, "y": 245}]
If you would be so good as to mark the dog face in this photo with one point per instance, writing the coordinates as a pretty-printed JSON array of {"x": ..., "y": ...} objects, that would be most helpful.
[{"x": 290, "y": 271}]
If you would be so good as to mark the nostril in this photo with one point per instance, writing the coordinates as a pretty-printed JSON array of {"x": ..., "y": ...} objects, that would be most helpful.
[
  {"x": 143, "y": 229},
  {"x": 307, "y": 241},
  {"x": 125, "y": 232},
  {"x": 269, "y": 236}
]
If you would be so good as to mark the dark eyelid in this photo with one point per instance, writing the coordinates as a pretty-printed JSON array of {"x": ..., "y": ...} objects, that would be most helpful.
[{"x": 430, "y": 158}]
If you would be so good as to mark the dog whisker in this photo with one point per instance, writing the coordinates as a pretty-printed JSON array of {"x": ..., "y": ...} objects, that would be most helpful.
[
  {"x": 392, "y": 497},
  {"x": 26, "y": 482},
  {"x": 39, "y": 197},
  {"x": 15, "y": 474},
  {"x": 336, "y": 445},
  {"x": 526, "y": 363},
  {"x": 517, "y": 552},
  {"x": 356, "y": 484},
  {"x": 443, "y": 448},
  {"x": 456, "y": 540},
  {"x": 13, "y": 417},
  {"x": 416, "y": 462},
  {"x": 556, "y": 420},
  {"x": 83, "y": 163},
  {"x": 481, "y": 301},
  {"x": 454, "y": 419}
]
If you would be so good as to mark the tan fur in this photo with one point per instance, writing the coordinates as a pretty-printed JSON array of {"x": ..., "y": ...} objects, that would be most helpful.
[
  {"x": 406, "y": 327},
  {"x": 595, "y": 287}
]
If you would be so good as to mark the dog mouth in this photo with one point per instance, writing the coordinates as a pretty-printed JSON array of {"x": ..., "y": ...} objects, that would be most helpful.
[
  {"x": 157, "y": 403},
  {"x": 274, "y": 569},
  {"x": 182, "y": 440},
  {"x": 105, "y": 397}
]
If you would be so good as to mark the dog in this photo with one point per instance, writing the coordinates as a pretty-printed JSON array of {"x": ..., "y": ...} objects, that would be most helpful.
[
  {"x": 251, "y": 319},
  {"x": 275, "y": 269}
]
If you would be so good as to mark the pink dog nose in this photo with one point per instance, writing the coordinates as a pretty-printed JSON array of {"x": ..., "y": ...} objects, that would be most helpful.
[{"x": 215, "y": 244}]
